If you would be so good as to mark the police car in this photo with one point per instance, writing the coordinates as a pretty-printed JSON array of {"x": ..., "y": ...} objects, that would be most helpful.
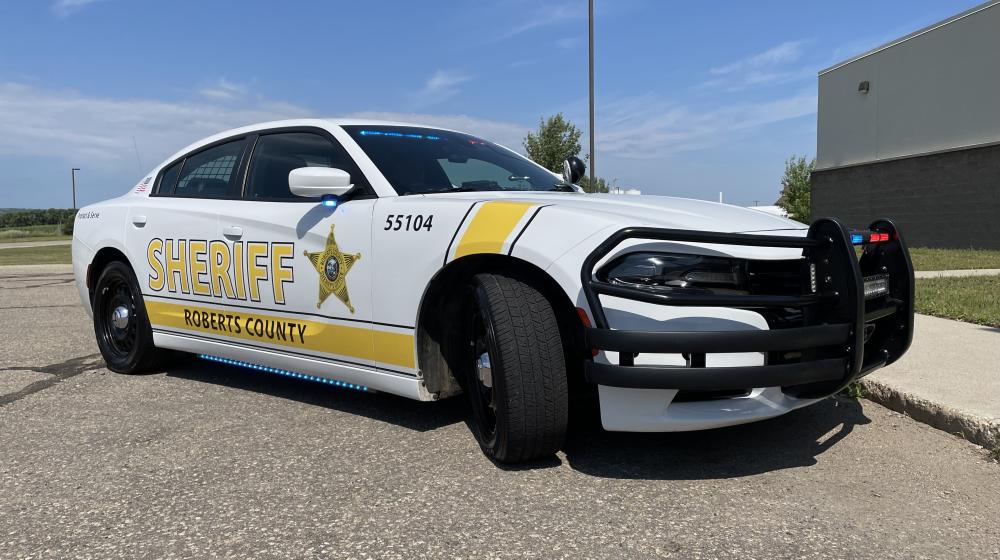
[{"x": 423, "y": 262}]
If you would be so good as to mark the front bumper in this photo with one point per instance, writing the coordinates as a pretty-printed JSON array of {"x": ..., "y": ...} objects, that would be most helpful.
[{"x": 840, "y": 337}]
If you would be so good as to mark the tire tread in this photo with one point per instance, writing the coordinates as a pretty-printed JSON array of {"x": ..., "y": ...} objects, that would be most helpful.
[{"x": 532, "y": 361}]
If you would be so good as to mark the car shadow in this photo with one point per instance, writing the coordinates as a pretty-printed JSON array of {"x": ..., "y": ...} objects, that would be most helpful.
[
  {"x": 793, "y": 440},
  {"x": 383, "y": 407}
]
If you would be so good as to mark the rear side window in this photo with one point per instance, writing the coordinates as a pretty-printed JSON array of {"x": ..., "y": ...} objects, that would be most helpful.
[
  {"x": 210, "y": 173},
  {"x": 275, "y": 155},
  {"x": 169, "y": 179}
]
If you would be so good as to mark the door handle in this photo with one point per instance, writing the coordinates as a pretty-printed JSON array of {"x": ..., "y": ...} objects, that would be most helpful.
[
  {"x": 234, "y": 232},
  {"x": 139, "y": 221}
]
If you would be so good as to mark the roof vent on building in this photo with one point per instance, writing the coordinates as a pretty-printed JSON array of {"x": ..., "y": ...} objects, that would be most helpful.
[{"x": 864, "y": 86}]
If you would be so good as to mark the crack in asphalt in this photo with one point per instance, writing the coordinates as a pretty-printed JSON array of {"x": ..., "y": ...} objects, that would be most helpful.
[
  {"x": 41, "y": 307},
  {"x": 60, "y": 372},
  {"x": 53, "y": 283},
  {"x": 32, "y": 275}
]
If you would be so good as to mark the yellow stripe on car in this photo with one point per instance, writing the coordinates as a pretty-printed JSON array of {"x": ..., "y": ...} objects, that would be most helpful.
[
  {"x": 491, "y": 226},
  {"x": 362, "y": 343}
]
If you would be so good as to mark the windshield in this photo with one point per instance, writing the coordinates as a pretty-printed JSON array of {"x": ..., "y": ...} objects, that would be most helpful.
[{"x": 425, "y": 160}]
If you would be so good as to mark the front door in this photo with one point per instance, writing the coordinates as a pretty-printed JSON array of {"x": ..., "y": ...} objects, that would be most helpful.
[{"x": 308, "y": 266}]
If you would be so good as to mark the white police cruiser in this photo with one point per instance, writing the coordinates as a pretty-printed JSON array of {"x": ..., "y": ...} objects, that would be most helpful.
[{"x": 426, "y": 262}]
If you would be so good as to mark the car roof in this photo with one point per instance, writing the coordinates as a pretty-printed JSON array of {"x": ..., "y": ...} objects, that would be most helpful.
[{"x": 316, "y": 122}]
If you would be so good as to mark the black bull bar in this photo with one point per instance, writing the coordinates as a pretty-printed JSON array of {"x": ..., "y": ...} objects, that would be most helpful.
[{"x": 841, "y": 336}]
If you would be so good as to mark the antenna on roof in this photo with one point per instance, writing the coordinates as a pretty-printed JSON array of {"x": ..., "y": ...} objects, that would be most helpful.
[{"x": 137, "y": 158}]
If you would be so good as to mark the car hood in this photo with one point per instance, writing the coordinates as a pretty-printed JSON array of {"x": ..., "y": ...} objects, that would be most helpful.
[{"x": 651, "y": 211}]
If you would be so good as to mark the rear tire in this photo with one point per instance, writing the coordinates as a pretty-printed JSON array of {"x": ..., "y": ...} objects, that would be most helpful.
[
  {"x": 516, "y": 370},
  {"x": 121, "y": 324}
]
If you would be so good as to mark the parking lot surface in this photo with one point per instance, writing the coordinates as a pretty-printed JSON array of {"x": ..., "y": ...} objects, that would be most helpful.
[{"x": 206, "y": 461}]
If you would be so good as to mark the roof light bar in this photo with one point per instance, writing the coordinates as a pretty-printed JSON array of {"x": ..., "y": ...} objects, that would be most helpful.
[{"x": 284, "y": 372}]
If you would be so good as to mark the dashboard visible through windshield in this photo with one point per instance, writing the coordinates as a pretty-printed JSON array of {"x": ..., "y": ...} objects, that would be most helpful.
[{"x": 425, "y": 160}]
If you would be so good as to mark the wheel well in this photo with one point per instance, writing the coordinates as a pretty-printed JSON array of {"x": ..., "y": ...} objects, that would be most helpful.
[
  {"x": 440, "y": 327},
  {"x": 101, "y": 260}
]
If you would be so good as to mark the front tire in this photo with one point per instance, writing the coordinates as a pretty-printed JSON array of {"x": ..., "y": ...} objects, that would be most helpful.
[
  {"x": 516, "y": 371},
  {"x": 120, "y": 322}
]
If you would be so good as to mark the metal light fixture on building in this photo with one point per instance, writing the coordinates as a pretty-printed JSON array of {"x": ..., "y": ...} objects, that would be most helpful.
[{"x": 864, "y": 86}]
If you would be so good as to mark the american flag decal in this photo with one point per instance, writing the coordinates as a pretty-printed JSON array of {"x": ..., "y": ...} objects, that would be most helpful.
[{"x": 141, "y": 187}]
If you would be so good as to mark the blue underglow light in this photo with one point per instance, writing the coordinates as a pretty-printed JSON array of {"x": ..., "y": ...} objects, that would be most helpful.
[
  {"x": 857, "y": 238},
  {"x": 286, "y": 373},
  {"x": 329, "y": 201},
  {"x": 396, "y": 134}
]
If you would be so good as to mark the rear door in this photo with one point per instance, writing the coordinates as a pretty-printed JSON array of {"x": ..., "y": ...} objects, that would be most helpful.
[{"x": 170, "y": 234}]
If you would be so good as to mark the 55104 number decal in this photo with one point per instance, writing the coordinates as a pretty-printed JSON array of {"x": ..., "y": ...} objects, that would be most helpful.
[{"x": 409, "y": 222}]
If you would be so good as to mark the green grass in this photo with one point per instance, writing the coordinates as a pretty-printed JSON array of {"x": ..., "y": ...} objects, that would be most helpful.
[
  {"x": 925, "y": 258},
  {"x": 975, "y": 299},
  {"x": 58, "y": 254},
  {"x": 995, "y": 451},
  {"x": 50, "y": 232},
  {"x": 854, "y": 391}
]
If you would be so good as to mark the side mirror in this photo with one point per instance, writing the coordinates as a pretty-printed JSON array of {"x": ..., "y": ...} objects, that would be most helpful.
[
  {"x": 319, "y": 181},
  {"x": 573, "y": 169}
]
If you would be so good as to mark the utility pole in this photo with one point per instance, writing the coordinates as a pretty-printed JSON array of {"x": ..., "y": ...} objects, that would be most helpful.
[
  {"x": 72, "y": 174},
  {"x": 592, "y": 156}
]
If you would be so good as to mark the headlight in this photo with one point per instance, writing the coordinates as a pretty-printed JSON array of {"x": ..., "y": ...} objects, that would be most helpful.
[{"x": 673, "y": 272}]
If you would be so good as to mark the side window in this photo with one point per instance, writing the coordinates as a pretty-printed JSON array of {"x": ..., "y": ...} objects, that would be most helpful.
[
  {"x": 275, "y": 155},
  {"x": 169, "y": 179},
  {"x": 210, "y": 173}
]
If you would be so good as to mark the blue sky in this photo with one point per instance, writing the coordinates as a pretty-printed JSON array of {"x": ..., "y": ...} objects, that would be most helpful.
[{"x": 693, "y": 98}]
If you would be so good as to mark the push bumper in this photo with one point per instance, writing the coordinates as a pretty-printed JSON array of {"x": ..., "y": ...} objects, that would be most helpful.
[{"x": 841, "y": 335}]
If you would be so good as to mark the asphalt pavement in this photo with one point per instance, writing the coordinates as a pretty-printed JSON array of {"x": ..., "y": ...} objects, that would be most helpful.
[{"x": 206, "y": 461}]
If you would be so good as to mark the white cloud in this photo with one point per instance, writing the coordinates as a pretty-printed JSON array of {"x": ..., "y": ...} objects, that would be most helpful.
[
  {"x": 770, "y": 67},
  {"x": 48, "y": 123},
  {"x": 65, "y": 8},
  {"x": 99, "y": 130},
  {"x": 442, "y": 85},
  {"x": 648, "y": 126},
  {"x": 786, "y": 52},
  {"x": 223, "y": 90},
  {"x": 546, "y": 15}
]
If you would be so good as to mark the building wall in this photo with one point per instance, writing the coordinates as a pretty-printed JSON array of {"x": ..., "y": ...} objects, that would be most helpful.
[
  {"x": 948, "y": 199},
  {"x": 934, "y": 90}
]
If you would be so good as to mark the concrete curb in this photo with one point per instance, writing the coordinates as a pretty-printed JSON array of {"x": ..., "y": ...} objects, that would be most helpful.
[
  {"x": 977, "y": 429},
  {"x": 956, "y": 273}
]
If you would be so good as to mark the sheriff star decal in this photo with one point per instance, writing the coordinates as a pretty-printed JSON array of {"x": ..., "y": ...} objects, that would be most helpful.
[{"x": 333, "y": 265}]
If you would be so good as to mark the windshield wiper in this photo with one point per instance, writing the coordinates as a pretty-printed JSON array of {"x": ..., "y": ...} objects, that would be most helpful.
[
  {"x": 448, "y": 190},
  {"x": 562, "y": 187}
]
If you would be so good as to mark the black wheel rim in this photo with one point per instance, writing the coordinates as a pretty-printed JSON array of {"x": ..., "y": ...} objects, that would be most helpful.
[
  {"x": 483, "y": 381},
  {"x": 118, "y": 336}
]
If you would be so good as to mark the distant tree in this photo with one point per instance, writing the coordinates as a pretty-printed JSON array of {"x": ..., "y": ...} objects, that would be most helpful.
[
  {"x": 555, "y": 140},
  {"x": 67, "y": 226},
  {"x": 795, "y": 187},
  {"x": 599, "y": 186},
  {"x": 24, "y": 218}
]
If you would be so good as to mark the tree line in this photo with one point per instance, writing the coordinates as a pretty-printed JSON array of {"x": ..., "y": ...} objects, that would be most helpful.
[{"x": 39, "y": 217}]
